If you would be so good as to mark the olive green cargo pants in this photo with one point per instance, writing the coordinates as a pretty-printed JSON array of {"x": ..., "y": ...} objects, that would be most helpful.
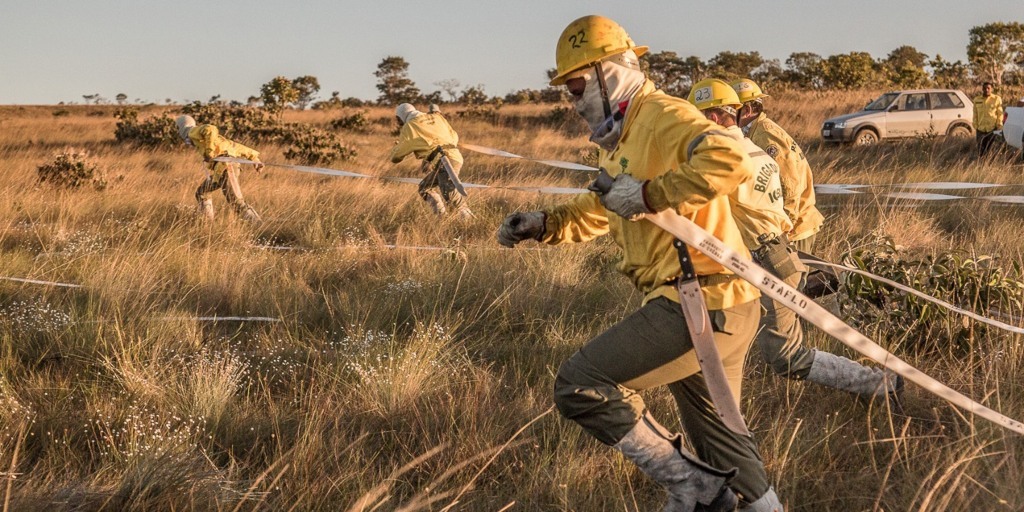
[
  {"x": 804, "y": 245},
  {"x": 597, "y": 387},
  {"x": 224, "y": 178},
  {"x": 437, "y": 180},
  {"x": 781, "y": 336}
]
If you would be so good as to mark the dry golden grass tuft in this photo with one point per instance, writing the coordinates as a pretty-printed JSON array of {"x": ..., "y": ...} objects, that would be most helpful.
[{"x": 413, "y": 379}]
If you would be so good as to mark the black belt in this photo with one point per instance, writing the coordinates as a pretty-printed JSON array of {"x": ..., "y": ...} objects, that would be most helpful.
[
  {"x": 708, "y": 280},
  {"x": 437, "y": 150}
]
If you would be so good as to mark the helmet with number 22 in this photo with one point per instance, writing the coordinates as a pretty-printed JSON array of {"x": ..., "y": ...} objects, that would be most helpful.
[{"x": 589, "y": 40}]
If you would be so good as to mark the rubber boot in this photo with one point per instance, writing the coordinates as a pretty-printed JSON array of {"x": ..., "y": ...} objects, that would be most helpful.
[
  {"x": 841, "y": 373},
  {"x": 768, "y": 502},
  {"x": 464, "y": 213},
  {"x": 248, "y": 214},
  {"x": 436, "y": 203},
  {"x": 691, "y": 484},
  {"x": 205, "y": 209}
]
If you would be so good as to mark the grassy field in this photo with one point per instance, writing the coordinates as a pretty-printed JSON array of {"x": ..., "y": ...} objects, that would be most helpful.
[{"x": 412, "y": 379}]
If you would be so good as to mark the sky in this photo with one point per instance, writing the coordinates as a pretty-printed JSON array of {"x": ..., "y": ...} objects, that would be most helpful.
[{"x": 53, "y": 51}]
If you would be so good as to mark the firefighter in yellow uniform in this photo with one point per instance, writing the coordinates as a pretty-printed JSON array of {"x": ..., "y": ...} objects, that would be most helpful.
[
  {"x": 429, "y": 137},
  {"x": 794, "y": 170},
  {"x": 757, "y": 206},
  {"x": 220, "y": 175},
  {"x": 988, "y": 117},
  {"x": 663, "y": 154}
]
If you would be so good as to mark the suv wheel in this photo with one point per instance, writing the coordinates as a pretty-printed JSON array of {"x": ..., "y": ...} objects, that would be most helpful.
[
  {"x": 960, "y": 132},
  {"x": 865, "y": 137}
]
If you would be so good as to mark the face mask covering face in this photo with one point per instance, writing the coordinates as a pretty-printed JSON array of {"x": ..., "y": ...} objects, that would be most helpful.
[
  {"x": 590, "y": 106},
  {"x": 623, "y": 79}
]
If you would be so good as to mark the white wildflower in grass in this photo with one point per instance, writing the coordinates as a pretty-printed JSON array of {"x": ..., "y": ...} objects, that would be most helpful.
[
  {"x": 14, "y": 412},
  {"x": 79, "y": 243},
  {"x": 358, "y": 341},
  {"x": 276, "y": 363},
  {"x": 402, "y": 287},
  {"x": 144, "y": 433},
  {"x": 26, "y": 225},
  {"x": 401, "y": 371},
  {"x": 353, "y": 236},
  {"x": 33, "y": 316},
  {"x": 211, "y": 383}
]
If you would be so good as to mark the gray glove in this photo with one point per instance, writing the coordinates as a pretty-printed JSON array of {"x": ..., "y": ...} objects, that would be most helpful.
[
  {"x": 626, "y": 198},
  {"x": 520, "y": 226}
]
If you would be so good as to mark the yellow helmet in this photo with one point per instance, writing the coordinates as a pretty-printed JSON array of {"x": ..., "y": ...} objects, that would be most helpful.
[
  {"x": 711, "y": 93},
  {"x": 588, "y": 40},
  {"x": 748, "y": 90}
]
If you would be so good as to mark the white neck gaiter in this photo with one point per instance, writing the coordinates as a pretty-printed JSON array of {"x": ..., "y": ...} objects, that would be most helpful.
[{"x": 623, "y": 79}]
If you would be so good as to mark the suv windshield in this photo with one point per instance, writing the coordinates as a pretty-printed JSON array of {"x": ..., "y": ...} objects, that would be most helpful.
[{"x": 882, "y": 102}]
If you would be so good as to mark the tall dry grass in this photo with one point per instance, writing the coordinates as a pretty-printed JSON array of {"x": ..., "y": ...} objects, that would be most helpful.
[{"x": 419, "y": 379}]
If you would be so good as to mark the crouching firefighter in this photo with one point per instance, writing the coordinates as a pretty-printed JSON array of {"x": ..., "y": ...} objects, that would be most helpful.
[
  {"x": 431, "y": 138},
  {"x": 662, "y": 154},
  {"x": 759, "y": 209},
  {"x": 220, "y": 175}
]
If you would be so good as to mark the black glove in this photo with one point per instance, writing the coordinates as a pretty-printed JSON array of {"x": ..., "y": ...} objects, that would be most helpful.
[{"x": 520, "y": 226}]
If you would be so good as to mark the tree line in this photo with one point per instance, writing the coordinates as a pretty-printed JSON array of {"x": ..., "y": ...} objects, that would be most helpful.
[{"x": 995, "y": 53}]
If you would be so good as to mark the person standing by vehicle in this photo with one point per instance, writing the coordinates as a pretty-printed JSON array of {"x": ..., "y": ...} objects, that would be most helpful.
[
  {"x": 663, "y": 154},
  {"x": 220, "y": 175},
  {"x": 988, "y": 117},
  {"x": 758, "y": 207},
  {"x": 431, "y": 138},
  {"x": 794, "y": 170}
]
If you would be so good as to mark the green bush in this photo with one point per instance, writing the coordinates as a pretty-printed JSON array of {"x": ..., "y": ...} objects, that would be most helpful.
[
  {"x": 305, "y": 144},
  {"x": 484, "y": 111},
  {"x": 974, "y": 283},
  {"x": 234, "y": 122},
  {"x": 313, "y": 146},
  {"x": 558, "y": 116},
  {"x": 71, "y": 169},
  {"x": 152, "y": 132},
  {"x": 356, "y": 122}
]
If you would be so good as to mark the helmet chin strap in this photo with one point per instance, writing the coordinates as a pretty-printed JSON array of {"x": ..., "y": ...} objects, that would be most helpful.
[{"x": 604, "y": 90}]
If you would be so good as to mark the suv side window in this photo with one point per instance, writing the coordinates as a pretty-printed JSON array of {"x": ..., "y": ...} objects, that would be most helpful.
[
  {"x": 916, "y": 101},
  {"x": 945, "y": 100}
]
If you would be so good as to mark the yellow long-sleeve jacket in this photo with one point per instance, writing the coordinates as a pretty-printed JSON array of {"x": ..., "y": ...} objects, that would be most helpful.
[
  {"x": 795, "y": 174},
  {"x": 988, "y": 113},
  {"x": 422, "y": 134},
  {"x": 757, "y": 203},
  {"x": 691, "y": 168},
  {"x": 211, "y": 144}
]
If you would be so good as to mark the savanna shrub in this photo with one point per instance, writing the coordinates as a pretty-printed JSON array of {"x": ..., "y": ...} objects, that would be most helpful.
[
  {"x": 233, "y": 121},
  {"x": 974, "y": 283},
  {"x": 71, "y": 169},
  {"x": 485, "y": 111},
  {"x": 152, "y": 132},
  {"x": 304, "y": 143},
  {"x": 356, "y": 122},
  {"x": 313, "y": 146},
  {"x": 558, "y": 116}
]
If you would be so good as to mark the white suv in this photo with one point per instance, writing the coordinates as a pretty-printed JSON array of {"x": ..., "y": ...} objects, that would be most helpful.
[
  {"x": 899, "y": 114},
  {"x": 1013, "y": 126}
]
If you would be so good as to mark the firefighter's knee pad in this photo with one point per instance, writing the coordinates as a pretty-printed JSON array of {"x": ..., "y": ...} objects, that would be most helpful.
[{"x": 580, "y": 387}]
